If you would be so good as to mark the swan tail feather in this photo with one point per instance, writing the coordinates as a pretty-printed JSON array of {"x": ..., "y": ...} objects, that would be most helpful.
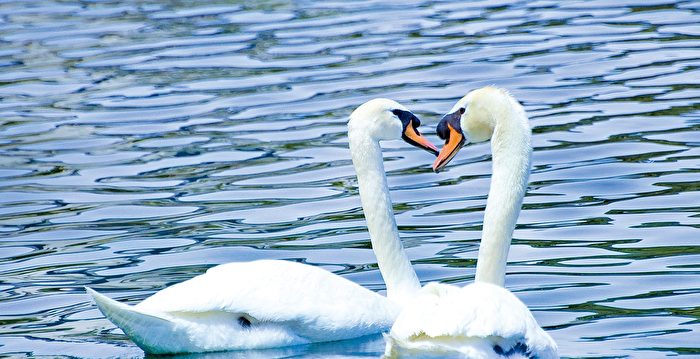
[{"x": 140, "y": 326}]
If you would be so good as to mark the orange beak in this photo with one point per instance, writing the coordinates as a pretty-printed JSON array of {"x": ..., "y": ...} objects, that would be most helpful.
[
  {"x": 453, "y": 144},
  {"x": 412, "y": 136}
]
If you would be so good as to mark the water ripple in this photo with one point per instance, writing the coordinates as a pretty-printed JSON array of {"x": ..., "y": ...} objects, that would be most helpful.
[{"x": 141, "y": 144}]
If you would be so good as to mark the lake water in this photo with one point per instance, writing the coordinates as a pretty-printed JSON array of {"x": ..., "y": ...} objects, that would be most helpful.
[{"x": 144, "y": 142}]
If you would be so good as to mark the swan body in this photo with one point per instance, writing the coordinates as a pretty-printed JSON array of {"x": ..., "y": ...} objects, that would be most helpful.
[
  {"x": 273, "y": 303},
  {"x": 482, "y": 319},
  {"x": 251, "y": 305}
]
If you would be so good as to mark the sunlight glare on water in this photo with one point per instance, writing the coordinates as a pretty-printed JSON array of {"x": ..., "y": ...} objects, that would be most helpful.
[{"x": 144, "y": 142}]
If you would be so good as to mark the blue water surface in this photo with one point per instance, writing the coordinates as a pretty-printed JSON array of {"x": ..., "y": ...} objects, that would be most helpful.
[{"x": 142, "y": 142}]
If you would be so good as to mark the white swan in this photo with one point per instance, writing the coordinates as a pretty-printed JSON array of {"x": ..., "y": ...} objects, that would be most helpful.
[
  {"x": 273, "y": 303},
  {"x": 483, "y": 319}
]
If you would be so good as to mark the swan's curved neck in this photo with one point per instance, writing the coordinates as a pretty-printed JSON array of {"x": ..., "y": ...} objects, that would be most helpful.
[
  {"x": 511, "y": 153},
  {"x": 394, "y": 265}
]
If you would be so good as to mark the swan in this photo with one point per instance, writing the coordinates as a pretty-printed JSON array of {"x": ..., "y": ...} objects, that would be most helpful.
[
  {"x": 482, "y": 319},
  {"x": 276, "y": 303}
]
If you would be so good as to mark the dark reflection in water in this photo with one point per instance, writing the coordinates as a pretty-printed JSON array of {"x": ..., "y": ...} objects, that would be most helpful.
[
  {"x": 371, "y": 346},
  {"x": 144, "y": 142}
]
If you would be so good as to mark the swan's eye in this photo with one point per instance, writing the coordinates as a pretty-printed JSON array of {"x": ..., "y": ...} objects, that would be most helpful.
[{"x": 462, "y": 110}]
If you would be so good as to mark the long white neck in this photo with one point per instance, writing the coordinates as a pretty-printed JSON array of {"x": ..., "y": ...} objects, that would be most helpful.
[
  {"x": 394, "y": 265},
  {"x": 511, "y": 153}
]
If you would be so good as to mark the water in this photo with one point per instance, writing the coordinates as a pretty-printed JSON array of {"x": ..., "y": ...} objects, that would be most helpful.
[{"x": 143, "y": 142}]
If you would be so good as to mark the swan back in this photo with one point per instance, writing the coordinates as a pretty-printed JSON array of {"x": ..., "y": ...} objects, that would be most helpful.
[
  {"x": 285, "y": 292},
  {"x": 480, "y": 320}
]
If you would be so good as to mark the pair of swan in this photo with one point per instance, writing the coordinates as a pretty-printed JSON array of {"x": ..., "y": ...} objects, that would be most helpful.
[{"x": 271, "y": 303}]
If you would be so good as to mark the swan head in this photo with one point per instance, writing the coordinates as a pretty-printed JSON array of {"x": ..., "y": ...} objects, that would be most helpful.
[
  {"x": 472, "y": 119},
  {"x": 384, "y": 119}
]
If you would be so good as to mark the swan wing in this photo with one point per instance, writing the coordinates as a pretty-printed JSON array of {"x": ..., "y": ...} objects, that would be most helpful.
[
  {"x": 478, "y": 318},
  {"x": 252, "y": 305}
]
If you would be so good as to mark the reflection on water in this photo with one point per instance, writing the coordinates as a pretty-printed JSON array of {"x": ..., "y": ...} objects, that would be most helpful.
[
  {"x": 144, "y": 142},
  {"x": 370, "y": 346}
]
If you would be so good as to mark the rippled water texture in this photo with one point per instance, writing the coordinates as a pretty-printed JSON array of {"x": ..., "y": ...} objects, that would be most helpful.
[{"x": 144, "y": 142}]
